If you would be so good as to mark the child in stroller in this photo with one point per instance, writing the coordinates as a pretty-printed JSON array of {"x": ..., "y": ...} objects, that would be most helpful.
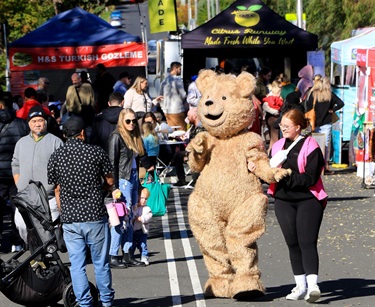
[{"x": 42, "y": 279}]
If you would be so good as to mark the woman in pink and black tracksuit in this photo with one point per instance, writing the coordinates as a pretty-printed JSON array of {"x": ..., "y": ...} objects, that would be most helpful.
[{"x": 299, "y": 203}]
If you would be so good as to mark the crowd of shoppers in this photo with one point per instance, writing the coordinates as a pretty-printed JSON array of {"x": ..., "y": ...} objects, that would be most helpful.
[{"x": 121, "y": 120}]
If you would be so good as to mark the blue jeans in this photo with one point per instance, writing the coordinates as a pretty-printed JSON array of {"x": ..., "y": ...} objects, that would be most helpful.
[
  {"x": 122, "y": 235},
  {"x": 140, "y": 242},
  {"x": 95, "y": 235},
  {"x": 327, "y": 130}
]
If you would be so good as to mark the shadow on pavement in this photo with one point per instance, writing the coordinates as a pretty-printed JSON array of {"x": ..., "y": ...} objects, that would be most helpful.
[{"x": 332, "y": 291}]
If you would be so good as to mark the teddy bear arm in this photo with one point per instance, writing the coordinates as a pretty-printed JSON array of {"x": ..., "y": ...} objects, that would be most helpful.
[
  {"x": 199, "y": 150},
  {"x": 263, "y": 170}
]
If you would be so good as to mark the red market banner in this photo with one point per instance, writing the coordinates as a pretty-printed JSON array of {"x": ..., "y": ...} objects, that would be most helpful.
[
  {"x": 130, "y": 54},
  {"x": 366, "y": 57}
]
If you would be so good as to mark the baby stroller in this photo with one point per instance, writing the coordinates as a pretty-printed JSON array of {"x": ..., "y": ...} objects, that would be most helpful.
[{"x": 42, "y": 279}]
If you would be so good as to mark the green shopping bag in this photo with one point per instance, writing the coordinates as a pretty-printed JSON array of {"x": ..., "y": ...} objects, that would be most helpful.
[{"x": 158, "y": 195}]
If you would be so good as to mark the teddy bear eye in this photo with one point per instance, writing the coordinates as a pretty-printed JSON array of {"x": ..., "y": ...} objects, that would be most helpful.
[{"x": 224, "y": 98}]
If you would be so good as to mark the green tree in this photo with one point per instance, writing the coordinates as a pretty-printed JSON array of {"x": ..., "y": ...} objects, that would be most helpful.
[{"x": 334, "y": 20}]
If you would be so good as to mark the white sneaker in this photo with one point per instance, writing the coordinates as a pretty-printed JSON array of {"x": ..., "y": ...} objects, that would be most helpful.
[
  {"x": 16, "y": 248},
  {"x": 298, "y": 293},
  {"x": 144, "y": 259},
  {"x": 313, "y": 294}
]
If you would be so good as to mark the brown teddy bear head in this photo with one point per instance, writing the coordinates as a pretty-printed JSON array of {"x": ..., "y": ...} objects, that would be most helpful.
[{"x": 225, "y": 108}]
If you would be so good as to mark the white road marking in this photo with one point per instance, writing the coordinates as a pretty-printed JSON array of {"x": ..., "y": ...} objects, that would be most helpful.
[
  {"x": 193, "y": 272},
  {"x": 172, "y": 270}
]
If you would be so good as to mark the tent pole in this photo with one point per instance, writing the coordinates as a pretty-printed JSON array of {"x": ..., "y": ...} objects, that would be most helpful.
[
  {"x": 217, "y": 7},
  {"x": 208, "y": 9},
  {"x": 299, "y": 13},
  {"x": 7, "y": 77},
  {"x": 142, "y": 25},
  {"x": 144, "y": 35}
]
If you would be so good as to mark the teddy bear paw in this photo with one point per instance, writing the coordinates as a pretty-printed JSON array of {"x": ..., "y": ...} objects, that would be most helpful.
[
  {"x": 217, "y": 287},
  {"x": 248, "y": 295},
  {"x": 280, "y": 173}
]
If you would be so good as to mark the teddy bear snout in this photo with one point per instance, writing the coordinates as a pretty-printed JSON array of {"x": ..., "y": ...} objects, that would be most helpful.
[{"x": 208, "y": 103}]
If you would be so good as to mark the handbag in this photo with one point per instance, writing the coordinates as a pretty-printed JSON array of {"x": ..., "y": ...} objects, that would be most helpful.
[
  {"x": 157, "y": 200},
  {"x": 311, "y": 116},
  {"x": 335, "y": 117},
  {"x": 140, "y": 114},
  {"x": 280, "y": 157}
]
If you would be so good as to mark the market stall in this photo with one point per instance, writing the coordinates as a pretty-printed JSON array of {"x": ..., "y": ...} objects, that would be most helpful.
[
  {"x": 343, "y": 61},
  {"x": 365, "y": 138},
  {"x": 248, "y": 29},
  {"x": 72, "y": 40}
]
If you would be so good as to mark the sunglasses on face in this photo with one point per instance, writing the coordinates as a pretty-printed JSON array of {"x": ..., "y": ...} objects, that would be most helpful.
[{"x": 128, "y": 121}]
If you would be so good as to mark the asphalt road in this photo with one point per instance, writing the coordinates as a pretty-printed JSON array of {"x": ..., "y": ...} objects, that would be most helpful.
[{"x": 176, "y": 274}]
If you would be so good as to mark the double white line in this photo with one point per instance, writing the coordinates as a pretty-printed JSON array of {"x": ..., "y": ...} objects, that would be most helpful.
[{"x": 172, "y": 270}]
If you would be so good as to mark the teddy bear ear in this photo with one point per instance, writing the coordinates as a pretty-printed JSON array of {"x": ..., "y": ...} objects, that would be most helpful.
[
  {"x": 205, "y": 79},
  {"x": 246, "y": 83}
]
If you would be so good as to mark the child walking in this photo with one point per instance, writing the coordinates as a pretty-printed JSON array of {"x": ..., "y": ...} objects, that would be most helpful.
[{"x": 142, "y": 217}]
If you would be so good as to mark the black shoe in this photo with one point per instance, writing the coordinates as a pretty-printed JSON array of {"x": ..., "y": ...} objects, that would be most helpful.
[
  {"x": 115, "y": 263},
  {"x": 129, "y": 261},
  {"x": 180, "y": 183}
]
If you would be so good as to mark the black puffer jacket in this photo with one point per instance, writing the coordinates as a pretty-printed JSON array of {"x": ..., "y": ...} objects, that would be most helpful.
[
  {"x": 16, "y": 129},
  {"x": 104, "y": 124}
]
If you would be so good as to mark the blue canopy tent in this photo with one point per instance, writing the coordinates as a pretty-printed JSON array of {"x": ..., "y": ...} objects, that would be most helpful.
[
  {"x": 70, "y": 41},
  {"x": 75, "y": 27}
]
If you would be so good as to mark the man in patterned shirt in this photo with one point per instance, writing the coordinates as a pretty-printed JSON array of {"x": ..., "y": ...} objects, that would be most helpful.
[{"x": 77, "y": 170}]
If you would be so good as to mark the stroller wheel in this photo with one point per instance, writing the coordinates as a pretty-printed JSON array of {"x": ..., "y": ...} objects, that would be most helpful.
[{"x": 69, "y": 297}]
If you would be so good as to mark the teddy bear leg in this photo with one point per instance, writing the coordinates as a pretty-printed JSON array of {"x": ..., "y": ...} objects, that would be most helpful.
[
  {"x": 246, "y": 224},
  {"x": 210, "y": 239}
]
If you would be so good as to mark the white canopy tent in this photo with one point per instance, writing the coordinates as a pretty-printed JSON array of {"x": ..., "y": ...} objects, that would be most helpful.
[
  {"x": 344, "y": 52},
  {"x": 343, "y": 57}
]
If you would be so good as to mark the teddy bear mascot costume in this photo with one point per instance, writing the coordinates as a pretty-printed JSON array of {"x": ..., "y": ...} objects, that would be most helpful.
[{"x": 227, "y": 208}]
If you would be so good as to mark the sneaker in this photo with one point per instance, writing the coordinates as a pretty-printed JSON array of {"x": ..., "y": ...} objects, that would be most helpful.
[
  {"x": 180, "y": 183},
  {"x": 313, "y": 294},
  {"x": 298, "y": 293},
  {"x": 144, "y": 259},
  {"x": 16, "y": 248}
]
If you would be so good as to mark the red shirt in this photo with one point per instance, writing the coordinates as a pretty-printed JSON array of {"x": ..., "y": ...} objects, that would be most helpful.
[{"x": 28, "y": 104}]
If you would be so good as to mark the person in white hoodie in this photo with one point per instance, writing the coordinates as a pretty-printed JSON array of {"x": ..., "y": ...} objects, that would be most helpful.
[
  {"x": 142, "y": 217},
  {"x": 193, "y": 95}
]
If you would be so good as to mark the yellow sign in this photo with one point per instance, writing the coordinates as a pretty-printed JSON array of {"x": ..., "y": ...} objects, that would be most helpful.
[{"x": 162, "y": 14}]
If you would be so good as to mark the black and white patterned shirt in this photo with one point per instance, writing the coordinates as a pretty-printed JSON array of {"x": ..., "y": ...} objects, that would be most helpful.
[{"x": 78, "y": 167}]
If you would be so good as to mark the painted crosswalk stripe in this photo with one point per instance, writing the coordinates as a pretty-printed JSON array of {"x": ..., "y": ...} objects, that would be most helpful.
[
  {"x": 193, "y": 272},
  {"x": 172, "y": 270}
]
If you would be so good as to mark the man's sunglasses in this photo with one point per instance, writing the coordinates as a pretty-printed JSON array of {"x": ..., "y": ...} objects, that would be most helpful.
[{"x": 128, "y": 121}]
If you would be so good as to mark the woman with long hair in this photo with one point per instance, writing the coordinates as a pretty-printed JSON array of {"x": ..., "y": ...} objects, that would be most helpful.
[
  {"x": 125, "y": 146},
  {"x": 325, "y": 103},
  {"x": 138, "y": 99}
]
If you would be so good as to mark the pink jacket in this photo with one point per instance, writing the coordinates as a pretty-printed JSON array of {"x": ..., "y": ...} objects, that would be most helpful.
[{"x": 308, "y": 146}]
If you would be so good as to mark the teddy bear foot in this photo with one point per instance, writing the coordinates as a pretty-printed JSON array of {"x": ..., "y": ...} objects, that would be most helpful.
[
  {"x": 248, "y": 295},
  {"x": 246, "y": 287},
  {"x": 217, "y": 287}
]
